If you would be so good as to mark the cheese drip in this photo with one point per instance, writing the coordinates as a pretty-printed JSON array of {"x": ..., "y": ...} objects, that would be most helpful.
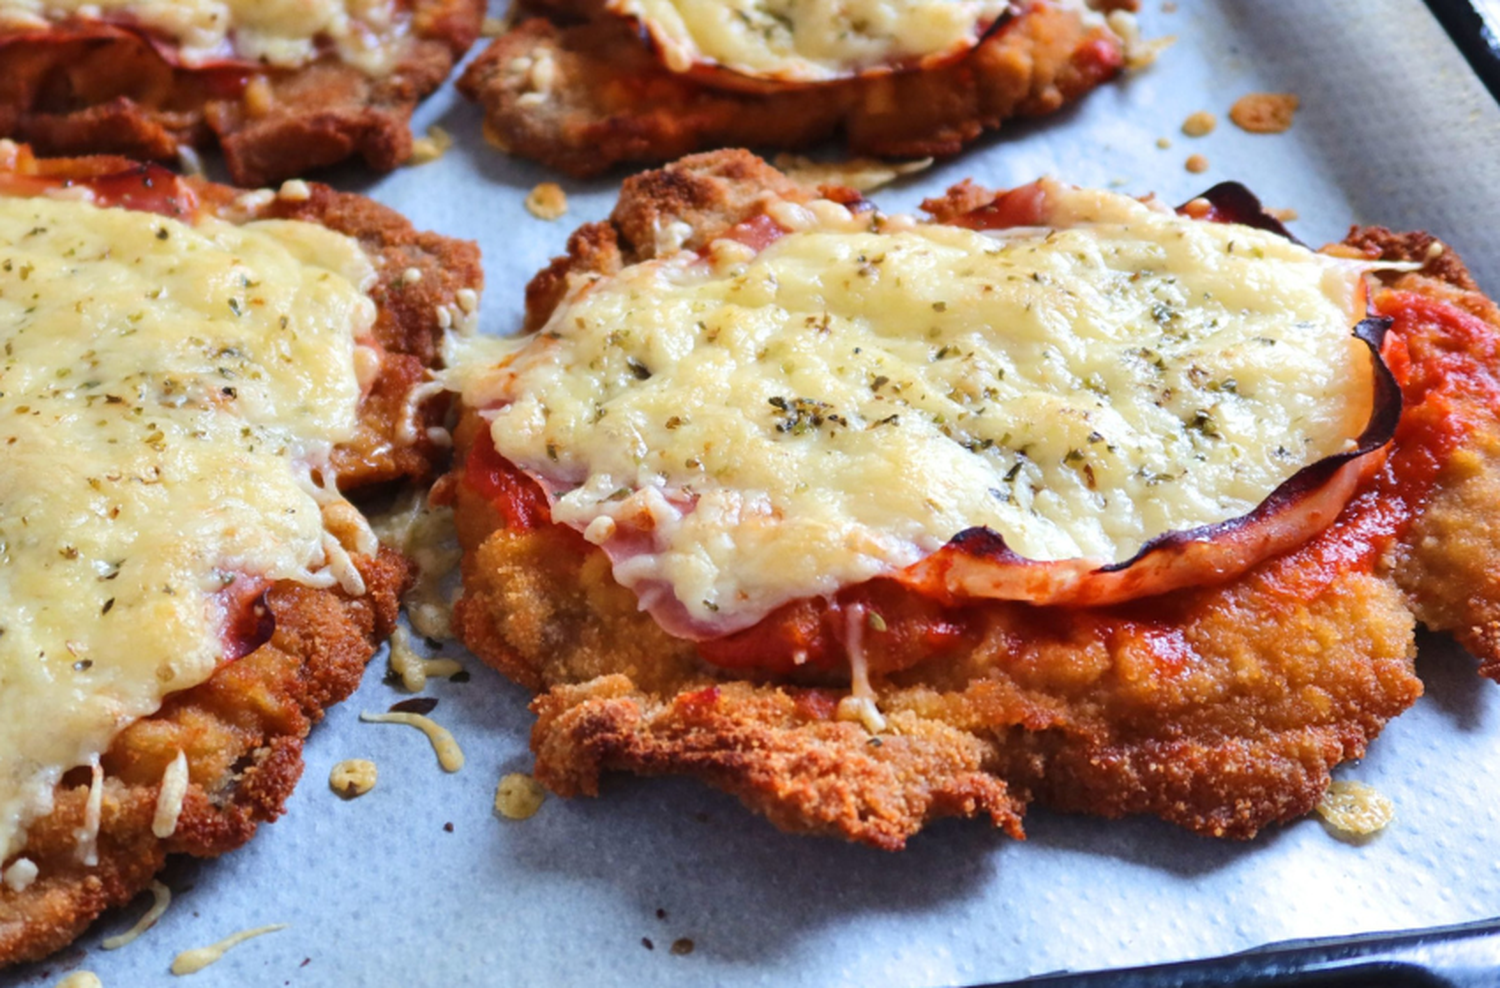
[
  {"x": 162, "y": 390},
  {"x": 761, "y": 427},
  {"x": 809, "y": 40},
  {"x": 279, "y": 33}
]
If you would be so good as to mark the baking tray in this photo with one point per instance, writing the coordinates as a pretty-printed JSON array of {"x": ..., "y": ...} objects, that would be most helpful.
[{"x": 1394, "y": 128}]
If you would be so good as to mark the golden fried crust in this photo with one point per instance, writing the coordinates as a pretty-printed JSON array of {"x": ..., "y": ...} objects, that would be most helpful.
[
  {"x": 115, "y": 93},
  {"x": 1449, "y": 564},
  {"x": 607, "y": 100},
  {"x": 242, "y": 729},
  {"x": 1220, "y": 709}
]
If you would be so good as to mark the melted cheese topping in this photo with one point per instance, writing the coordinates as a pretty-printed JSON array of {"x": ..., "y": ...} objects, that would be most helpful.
[
  {"x": 755, "y": 428},
  {"x": 810, "y": 40},
  {"x": 164, "y": 391},
  {"x": 280, "y": 33}
]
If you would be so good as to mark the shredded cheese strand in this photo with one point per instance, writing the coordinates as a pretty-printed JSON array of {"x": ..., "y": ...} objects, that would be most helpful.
[
  {"x": 162, "y": 898},
  {"x": 195, "y": 960},
  {"x": 449, "y": 755},
  {"x": 88, "y": 835},
  {"x": 174, "y": 783}
]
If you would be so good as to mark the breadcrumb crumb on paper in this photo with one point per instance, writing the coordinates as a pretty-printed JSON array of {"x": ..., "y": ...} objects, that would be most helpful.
[
  {"x": 859, "y": 174},
  {"x": 80, "y": 979},
  {"x": 519, "y": 796},
  {"x": 547, "y": 201},
  {"x": 1265, "y": 113},
  {"x": 1199, "y": 124},
  {"x": 425, "y": 150},
  {"x": 1196, "y": 163},
  {"x": 1355, "y": 809}
]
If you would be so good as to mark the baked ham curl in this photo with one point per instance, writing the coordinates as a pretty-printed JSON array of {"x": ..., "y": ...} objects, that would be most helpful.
[{"x": 976, "y": 563}]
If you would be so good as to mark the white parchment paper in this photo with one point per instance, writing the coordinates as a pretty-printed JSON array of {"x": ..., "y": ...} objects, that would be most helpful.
[{"x": 1393, "y": 129}]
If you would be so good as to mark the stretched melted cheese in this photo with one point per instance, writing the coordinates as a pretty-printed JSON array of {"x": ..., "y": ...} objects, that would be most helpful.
[
  {"x": 810, "y": 40},
  {"x": 744, "y": 429},
  {"x": 163, "y": 392},
  {"x": 280, "y": 33}
]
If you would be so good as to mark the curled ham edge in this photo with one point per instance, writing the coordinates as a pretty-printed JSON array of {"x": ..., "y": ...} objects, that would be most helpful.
[
  {"x": 719, "y": 76},
  {"x": 976, "y": 563}
]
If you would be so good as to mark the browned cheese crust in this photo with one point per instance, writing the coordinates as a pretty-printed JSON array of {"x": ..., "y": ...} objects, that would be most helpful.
[
  {"x": 116, "y": 94},
  {"x": 1071, "y": 709},
  {"x": 242, "y": 730},
  {"x": 604, "y": 98}
]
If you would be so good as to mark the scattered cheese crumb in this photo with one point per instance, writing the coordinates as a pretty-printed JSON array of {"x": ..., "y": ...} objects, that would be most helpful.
[
  {"x": 425, "y": 150},
  {"x": 21, "y": 873},
  {"x": 1200, "y": 124},
  {"x": 353, "y": 777},
  {"x": 1163, "y": 142},
  {"x": 411, "y": 276},
  {"x": 80, "y": 979},
  {"x": 195, "y": 960},
  {"x": 161, "y": 898},
  {"x": 1355, "y": 809},
  {"x": 294, "y": 190},
  {"x": 1435, "y": 250},
  {"x": 1284, "y": 215},
  {"x": 519, "y": 796},
  {"x": 174, "y": 783},
  {"x": 258, "y": 97},
  {"x": 1265, "y": 113},
  {"x": 859, "y": 174},
  {"x": 189, "y": 161},
  {"x": 449, "y": 755},
  {"x": 1196, "y": 163},
  {"x": 547, "y": 201}
]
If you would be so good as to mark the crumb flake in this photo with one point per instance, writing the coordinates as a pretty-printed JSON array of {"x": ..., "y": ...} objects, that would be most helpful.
[
  {"x": 1196, "y": 163},
  {"x": 425, "y": 150},
  {"x": 547, "y": 201},
  {"x": 1265, "y": 113},
  {"x": 1199, "y": 124},
  {"x": 353, "y": 777},
  {"x": 519, "y": 796},
  {"x": 1356, "y": 809}
]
